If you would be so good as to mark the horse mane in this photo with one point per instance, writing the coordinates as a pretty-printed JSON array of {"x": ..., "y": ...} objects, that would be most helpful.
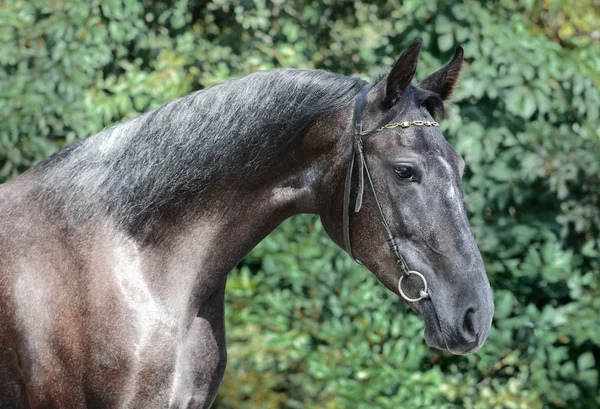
[{"x": 134, "y": 169}]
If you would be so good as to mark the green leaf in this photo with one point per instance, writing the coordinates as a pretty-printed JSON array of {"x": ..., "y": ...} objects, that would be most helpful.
[
  {"x": 586, "y": 361},
  {"x": 445, "y": 42},
  {"x": 529, "y": 105},
  {"x": 442, "y": 24}
]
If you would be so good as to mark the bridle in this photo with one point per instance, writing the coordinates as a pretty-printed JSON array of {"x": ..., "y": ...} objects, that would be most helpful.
[{"x": 359, "y": 155}]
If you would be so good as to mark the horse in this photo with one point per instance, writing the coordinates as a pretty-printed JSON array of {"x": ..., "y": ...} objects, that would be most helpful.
[{"x": 116, "y": 249}]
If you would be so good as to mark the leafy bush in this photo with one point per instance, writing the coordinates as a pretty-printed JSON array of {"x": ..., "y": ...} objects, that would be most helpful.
[{"x": 307, "y": 328}]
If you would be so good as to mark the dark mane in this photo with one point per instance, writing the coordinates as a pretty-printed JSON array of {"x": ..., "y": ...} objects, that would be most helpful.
[{"x": 135, "y": 169}]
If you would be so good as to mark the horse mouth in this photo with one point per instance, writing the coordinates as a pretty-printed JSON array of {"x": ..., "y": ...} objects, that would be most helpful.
[
  {"x": 436, "y": 337},
  {"x": 433, "y": 330}
]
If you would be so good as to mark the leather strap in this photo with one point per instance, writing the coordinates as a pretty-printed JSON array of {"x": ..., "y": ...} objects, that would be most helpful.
[
  {"x": 357, "y": 154},
  {"x": 357, "y": 151},
  {"x": 391, "y": 240},
  {"x": 346, "y": 210}
]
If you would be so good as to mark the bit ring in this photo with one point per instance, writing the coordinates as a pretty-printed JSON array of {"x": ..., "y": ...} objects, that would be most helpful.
[{"x": 422, "y": 294}]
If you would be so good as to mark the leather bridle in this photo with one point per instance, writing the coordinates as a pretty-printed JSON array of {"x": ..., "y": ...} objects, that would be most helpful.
[{"x": 358, "y": 154}]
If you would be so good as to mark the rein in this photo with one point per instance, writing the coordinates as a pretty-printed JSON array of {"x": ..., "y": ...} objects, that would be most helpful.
[{"x": 359, "y": 155}]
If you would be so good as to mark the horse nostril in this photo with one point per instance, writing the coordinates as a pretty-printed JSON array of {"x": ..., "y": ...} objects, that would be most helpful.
[{"x": 468, "y": 326}]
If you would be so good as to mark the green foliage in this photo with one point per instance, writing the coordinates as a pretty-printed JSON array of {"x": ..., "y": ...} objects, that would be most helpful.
[{"x": 307, "y": 328}]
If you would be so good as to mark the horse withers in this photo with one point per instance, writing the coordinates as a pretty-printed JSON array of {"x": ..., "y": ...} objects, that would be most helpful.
[{"x": 115, "y": 251}]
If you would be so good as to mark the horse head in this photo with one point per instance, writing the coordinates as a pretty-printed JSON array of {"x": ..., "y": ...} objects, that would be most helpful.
[{"x": 411, "y": 228}]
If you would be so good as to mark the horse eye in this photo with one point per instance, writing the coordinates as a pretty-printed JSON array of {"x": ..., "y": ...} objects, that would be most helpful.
[{"x": 404, "y": 171}]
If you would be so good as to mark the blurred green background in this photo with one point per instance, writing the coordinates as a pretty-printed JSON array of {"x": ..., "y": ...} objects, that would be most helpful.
[{"x": 307, "y": 328}]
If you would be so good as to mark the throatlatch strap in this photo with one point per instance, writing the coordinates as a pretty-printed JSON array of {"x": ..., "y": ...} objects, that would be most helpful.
[
  {"x": 346, "y": 210},
  {"x": 358, "y": 148},
  {"x": 357, "y": 151}
]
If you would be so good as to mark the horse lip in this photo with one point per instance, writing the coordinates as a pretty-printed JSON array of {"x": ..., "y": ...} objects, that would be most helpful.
[
  {"x": 432, "y": 323},
  {"x": 435, "y": 336}
]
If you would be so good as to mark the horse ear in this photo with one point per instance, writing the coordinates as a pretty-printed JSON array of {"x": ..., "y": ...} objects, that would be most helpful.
[
  {"x": 444, "y": 81},
  {"x": 402, "y": 73}
]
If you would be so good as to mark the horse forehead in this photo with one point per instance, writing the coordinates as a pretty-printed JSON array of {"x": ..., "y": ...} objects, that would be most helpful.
[
  {"x": 448, "y": 166},
  {"x": 446, "y": 158},
  {"x": 425, "y": 140},
  {"x": 432, "y": 142}
]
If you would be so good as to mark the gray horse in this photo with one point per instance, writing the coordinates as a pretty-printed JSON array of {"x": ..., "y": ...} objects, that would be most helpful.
[{"x": 115, "y": 251}]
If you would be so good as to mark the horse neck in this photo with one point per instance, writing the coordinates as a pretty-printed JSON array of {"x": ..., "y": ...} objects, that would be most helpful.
[{"x": 209, "y": 239}]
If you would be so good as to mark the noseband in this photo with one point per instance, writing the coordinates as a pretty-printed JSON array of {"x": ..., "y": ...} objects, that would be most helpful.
[{"x": 359, "y": 155}]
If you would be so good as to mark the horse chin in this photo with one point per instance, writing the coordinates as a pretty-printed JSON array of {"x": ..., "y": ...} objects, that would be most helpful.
[{"x": 433, "y": 330}]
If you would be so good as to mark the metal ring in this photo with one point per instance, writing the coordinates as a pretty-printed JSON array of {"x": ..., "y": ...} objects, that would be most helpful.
[{"x": 422, "y": 294}]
